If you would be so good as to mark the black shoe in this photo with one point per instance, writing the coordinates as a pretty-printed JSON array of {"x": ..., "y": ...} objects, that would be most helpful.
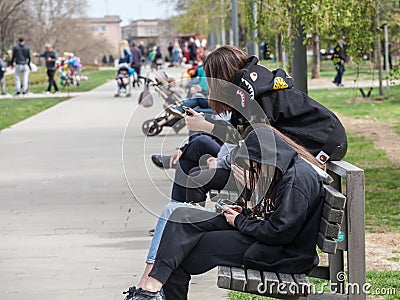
[
  {"x": 146, "y": 295},
  {"x": 161, "y": 161},
  {"x": 17, "y": 94},
  {"x": 130, "y": 293}
]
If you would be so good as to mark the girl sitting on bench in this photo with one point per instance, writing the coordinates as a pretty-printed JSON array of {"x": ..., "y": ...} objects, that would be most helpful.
[{"x": 275, "y": 229}]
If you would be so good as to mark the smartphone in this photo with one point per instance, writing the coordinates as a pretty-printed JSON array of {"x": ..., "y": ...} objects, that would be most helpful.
[
  {"x": 221, "y": 207},
  {"x": 187, "y": 110},
  {"x": 221, "y": 204}
]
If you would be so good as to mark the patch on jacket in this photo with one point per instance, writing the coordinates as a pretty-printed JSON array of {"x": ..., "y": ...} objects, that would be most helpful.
[
  {"x": 280, "y": 84},
  {"x": 270, "y": 206},
  {"x": 242, "y": 97}
]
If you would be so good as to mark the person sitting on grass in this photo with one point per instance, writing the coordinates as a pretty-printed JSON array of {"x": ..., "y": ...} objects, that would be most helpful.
[{"x": 275, "y": 229}]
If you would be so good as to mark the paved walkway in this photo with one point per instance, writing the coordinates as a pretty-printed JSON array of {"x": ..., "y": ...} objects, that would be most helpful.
[{"x": 69, "y": 225}]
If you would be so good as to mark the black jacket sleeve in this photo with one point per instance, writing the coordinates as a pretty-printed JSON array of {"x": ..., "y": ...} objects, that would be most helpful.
[{"x": 284, "y": 223}]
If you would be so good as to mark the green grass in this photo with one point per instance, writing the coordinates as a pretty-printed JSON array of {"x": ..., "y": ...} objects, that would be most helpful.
[
  {"x": 38, "y": 80},
  {"x": 382, "y": 178},
  {"x": 15, "y": 110},
  {"x": 327, "y": 70},
  {"x": 338, "y": 101},
  {"x": 385, "y": 284},
  {"x": 382, "y": 185}
]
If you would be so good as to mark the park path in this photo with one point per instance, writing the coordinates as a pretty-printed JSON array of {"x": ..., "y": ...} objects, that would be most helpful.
[{"x": 70, "y": 227}]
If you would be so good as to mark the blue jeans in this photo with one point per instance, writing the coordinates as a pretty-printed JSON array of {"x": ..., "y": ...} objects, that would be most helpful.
[
  {"x": 199, "y": 103},
  {"x": 340, "y": 70},
  {"x": 162, "y": 221}
]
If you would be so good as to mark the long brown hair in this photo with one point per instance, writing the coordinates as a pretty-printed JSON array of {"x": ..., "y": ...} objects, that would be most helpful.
[{"x": 220, "y": 67}]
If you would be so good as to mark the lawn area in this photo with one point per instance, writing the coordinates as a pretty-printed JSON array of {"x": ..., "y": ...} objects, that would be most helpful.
[
  {"x": 338, "y": 101},
  {"x": 38, "y": 80},
  {"x": 382, "y": 178},
  {"x": 363, "y": 72},
  {"x": 15, "y": 110}
]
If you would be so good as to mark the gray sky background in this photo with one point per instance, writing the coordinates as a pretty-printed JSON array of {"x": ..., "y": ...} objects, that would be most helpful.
[{"x": 130, "y": 9}]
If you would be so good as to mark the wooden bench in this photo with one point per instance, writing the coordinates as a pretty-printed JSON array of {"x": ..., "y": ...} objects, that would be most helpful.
[{"x": 342, "y": 231}]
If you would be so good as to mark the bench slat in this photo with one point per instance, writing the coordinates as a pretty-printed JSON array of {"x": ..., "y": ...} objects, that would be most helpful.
[
  {"x": 325, "y": 244},
  {"x": 253, "y": 280},
  {"x": 329, "y": 230},
  {"x": 272, "y": 282},
  {"x": 332, "y": 215},
  {"x": 238, "y": 282},
  {"x": 334, "y": 197},
  {"x": 303, "y": 283},
  {"x": 224, "y": 277},
  {"x": 288, "y": 284}
]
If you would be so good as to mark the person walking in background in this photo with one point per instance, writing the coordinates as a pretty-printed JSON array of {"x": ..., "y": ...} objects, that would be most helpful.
[
  {"x": 151, "y": 52},
  {"x": 137, "y": 61},
  {"x": 50, "y": 56},
  {"x": 170, "y": 47},
  {"x": 125, "y": 54},
  {"x": 142, "y": 50},
  {"x": 265, "y": 52},
  {"x": 192, "y": 51},
  {"x": 157, "y": 58},
  {"x": 21, "y": 55},
  {"x": 3, "y": 70},
  {"x": 339, "y": 59},
  {"x": 176, "y": 54}
]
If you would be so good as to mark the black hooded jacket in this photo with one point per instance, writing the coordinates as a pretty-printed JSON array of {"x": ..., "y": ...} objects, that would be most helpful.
[
  {"x": 291, "y": 111},
  {"x": 286, "y": 239}
]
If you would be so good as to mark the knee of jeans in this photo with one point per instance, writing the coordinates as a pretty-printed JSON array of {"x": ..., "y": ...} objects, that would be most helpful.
[
  {"x": 203, "y": 141},
  {"x": 171, "y": 207}
]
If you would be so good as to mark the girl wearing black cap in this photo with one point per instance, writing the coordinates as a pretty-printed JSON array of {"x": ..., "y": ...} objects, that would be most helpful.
[{"x": 276, "y": 230}]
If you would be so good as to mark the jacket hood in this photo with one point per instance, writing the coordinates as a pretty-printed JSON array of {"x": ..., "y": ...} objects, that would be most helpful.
[
  {"x": 262, "y": 145},
  {"x": 257, "y": 80}
]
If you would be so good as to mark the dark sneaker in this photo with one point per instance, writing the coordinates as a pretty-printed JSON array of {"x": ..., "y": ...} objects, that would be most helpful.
[
  {"x": 146, "y": 295},
  {"x": 161, "y": 161},
  {"x": 17, "y": 94},
  {"x": 130, "y": 293}
]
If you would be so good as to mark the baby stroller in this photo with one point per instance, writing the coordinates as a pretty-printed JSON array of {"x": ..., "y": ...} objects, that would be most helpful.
[
  {"x": 123, "y": 78},
  {"x": 172, "y": 94}
]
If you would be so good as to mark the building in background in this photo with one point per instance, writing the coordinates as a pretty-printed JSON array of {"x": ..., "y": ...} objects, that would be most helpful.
[
  {"x": 107, "y": 28},
  {"x": 153, "y": 32}
]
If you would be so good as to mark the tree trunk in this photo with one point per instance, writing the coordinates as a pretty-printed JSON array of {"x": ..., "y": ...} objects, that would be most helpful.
[
  {"x": 278, "y": 48},
  {"x": 316, "y": 63},
  {"x": 299, "y": 59}
]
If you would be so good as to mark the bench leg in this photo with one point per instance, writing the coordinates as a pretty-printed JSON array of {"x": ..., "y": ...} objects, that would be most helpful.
[
  {"x": 336, "y": 265},
  {"x": 356, "y": 233}
]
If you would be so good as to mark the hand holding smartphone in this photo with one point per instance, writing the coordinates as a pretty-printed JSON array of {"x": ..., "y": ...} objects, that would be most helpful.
[
  {"x": 221, "y": 207},
  {"x": 222, "y": 204},
  {"x": 187, "y": 110}
]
